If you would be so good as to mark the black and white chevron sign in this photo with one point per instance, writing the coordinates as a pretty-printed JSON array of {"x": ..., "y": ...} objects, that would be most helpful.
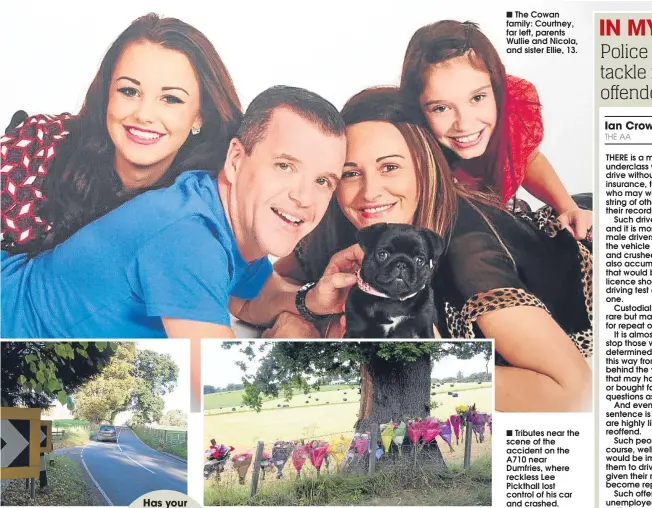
[{"x": 14, "y": 437}]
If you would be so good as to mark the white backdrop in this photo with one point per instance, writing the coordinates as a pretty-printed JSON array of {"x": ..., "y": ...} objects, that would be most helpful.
[{"x": 51, "y": 53}]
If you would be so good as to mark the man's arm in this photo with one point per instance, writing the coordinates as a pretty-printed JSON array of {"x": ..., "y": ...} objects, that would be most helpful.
[
  {"x": 184, "y": 329},
  {"x": 278, "y": 294}
]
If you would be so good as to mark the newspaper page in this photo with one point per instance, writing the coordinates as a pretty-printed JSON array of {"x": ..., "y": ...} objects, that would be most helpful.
[
  {"x": 622, "y": 97},
  {"x": 374, "y": 221}
]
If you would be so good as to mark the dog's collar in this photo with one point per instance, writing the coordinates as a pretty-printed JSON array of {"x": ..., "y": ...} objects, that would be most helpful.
[{"x": 367, "y": 288}]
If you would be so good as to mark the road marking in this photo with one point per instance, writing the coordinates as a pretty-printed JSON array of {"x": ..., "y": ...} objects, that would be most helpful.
[
  {"x": 106, "y": 498},
  {"x": 132, "y": 460}
]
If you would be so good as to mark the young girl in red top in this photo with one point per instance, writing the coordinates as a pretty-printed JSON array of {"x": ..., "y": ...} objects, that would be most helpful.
[{"x": 488, "y": 123}]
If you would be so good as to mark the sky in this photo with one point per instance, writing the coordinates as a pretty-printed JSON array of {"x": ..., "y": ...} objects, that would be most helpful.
[
  {"x": 229, "y": 372},
  {"x": 179, "y": 350}
]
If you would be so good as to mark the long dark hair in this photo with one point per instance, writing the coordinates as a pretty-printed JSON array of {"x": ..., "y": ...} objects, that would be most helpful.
[
  {"x": 82, "y": 183},
  {"x": 438, "y": 192},
  {"x": 445, "y": 40}
]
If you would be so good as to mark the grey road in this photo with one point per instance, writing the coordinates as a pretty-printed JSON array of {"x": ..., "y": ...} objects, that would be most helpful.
[{"x": 126, "y": 470}]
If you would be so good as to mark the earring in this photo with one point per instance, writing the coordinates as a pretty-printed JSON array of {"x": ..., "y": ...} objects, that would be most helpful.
[{"x": 196, "y": 129}]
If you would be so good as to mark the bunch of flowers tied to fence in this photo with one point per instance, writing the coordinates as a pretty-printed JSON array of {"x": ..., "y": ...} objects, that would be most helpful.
[
  {"x": 477, "y": 420},
  {"x": 340, "y": 450}
]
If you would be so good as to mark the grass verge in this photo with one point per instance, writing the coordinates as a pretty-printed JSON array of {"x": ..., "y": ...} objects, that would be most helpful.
[
  {"x": 71, "y": 438},
  {"x": 395, "y": 486},
  {"x": 180, "y": 450},
  {"x": 66, "y": 487}
]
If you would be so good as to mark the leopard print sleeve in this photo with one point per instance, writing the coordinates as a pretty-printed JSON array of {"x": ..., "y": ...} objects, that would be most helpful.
[{"x": 460, "y": 322}]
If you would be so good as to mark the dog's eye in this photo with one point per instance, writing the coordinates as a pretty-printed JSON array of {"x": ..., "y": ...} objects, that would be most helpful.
[
  {"x": 420, "y": 261},
  {"x": 382, "y": 255}
]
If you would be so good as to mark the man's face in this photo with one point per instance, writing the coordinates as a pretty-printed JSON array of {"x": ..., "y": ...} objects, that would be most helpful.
[{"x": 281, "y": 191}]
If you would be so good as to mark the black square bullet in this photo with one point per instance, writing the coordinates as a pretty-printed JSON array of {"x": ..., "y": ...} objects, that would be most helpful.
[
  {"x": 509, "y": 433},
  {"x": 509, "y": 14}
]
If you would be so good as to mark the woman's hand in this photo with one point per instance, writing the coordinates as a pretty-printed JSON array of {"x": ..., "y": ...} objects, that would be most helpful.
[
  {"x": 291, "y": 326},
  {"x": 579, "y": 222},
  {"x": 330, "y": 293}
]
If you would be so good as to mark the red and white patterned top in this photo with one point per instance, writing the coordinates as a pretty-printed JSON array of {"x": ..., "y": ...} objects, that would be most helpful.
[{"x": 27, "y": 153}]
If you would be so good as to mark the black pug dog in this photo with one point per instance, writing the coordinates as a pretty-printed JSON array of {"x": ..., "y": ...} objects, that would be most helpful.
[{"x": 394, "y": 296}]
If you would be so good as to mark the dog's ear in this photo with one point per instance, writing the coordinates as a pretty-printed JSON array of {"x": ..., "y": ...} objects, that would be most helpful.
[
  {"x": 367, "y": 237},
  {"x": 435, "y": 242}
]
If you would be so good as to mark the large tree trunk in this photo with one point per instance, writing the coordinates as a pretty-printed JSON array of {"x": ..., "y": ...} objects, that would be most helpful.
[
  {"x": 393, "y": 391},
  {"x": 396, "y": 391}
]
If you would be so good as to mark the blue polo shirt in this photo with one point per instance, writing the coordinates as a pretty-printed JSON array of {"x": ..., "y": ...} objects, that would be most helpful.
[{"x": 166, "y": 253}]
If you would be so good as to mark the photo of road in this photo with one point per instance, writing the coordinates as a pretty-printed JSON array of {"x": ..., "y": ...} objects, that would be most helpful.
[
  {"x": 105, "y": 425},
  {"x": 126, "y": 470}
]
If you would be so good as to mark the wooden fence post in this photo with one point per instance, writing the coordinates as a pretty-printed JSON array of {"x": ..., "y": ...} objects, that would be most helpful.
[
  {"x": 256, "y": 471},
  {"x": 374, "y": 445},
  {"x": 468, "y": 430}
]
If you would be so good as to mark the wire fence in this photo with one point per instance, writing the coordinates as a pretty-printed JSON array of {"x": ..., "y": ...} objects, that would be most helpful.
[
  {"x": 165, "y": 438},
  {"x": 268, "y": 467}
]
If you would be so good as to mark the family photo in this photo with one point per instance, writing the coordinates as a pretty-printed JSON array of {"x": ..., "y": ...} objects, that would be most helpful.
[{"x": 368, "y": 174}]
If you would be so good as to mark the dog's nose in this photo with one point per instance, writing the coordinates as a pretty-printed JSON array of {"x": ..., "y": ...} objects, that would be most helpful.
[{"x": 401, "y": 265}]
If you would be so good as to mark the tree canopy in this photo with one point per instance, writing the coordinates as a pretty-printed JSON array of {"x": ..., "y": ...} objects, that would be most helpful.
[
  {"x": 35, "y": 373},
  {"x": 289, "y": 366},
  {"x": 135, "y": 380},
  {"x": 107, "y": 394}
]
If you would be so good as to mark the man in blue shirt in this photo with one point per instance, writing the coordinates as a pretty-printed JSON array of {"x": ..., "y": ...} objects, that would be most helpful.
[{"x": 168, "y": 262}]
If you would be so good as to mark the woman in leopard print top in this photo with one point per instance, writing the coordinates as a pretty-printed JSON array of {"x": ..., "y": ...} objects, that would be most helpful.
[{"x": 518, "y": 279}]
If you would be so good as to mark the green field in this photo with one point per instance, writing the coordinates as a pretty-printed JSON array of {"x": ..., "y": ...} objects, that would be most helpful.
[
  {"x": 230, "y": 399},
  {"x": 327, "y": 395},
  {"x": 244, "y": 427},
  {"x": 66, "y": 424}
]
